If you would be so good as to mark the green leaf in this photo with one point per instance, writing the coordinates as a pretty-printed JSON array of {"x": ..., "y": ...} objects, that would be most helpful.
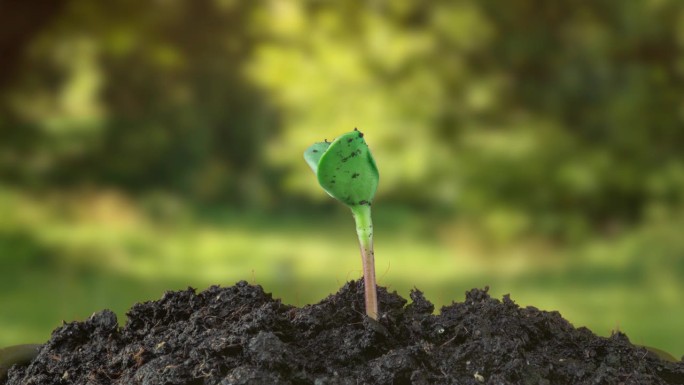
[
  {"x": 313, "y": 154},
  {"x": 347, "y": 170}
]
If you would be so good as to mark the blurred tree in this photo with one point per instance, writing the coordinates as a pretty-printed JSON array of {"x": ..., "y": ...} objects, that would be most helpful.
[
  {"x": 169, "y": 105},
  {"x": 20, "y": 21},
  {"x": 559, "y": 117}
]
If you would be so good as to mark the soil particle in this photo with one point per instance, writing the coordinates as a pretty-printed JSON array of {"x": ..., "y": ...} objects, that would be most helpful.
[{"x": 241, "y": 335}]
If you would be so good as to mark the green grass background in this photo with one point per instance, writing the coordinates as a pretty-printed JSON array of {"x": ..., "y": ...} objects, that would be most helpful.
[{"x": 59, "y": 263}]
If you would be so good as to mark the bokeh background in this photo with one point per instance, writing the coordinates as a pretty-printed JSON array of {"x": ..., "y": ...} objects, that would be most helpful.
[{"x": 533, "y": 146}]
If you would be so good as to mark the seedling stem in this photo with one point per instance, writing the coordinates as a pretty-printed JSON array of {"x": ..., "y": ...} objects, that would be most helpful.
[{"x": 364, "y": 230}]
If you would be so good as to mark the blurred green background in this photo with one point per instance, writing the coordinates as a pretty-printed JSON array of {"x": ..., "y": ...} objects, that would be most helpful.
[{"x": 532, "y": 146}]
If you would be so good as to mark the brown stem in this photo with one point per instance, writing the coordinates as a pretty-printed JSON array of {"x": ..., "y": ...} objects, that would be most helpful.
[
  {"x": 364, "y": 230},
  {"x": 371, "y": 292}
]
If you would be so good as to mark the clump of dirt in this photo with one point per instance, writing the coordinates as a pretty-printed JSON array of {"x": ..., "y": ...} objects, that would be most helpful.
[{"x": 241, "y": 335}]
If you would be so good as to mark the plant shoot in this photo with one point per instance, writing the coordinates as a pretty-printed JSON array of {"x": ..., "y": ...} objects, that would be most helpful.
[{"x": 347, "y": 172}]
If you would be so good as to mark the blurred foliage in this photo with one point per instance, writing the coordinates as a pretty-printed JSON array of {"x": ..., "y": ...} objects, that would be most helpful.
[
  {"x": 528, "y": 143},
  {"x": 552, "y": 117},
  {"x": 138, "y": 95}
]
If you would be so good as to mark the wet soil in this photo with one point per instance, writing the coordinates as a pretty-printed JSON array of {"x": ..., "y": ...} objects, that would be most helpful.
[{"x": 241, "y": 335}]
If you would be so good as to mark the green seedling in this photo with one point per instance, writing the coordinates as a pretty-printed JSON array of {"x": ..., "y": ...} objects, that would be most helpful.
[{"x": 346, "y": 170}]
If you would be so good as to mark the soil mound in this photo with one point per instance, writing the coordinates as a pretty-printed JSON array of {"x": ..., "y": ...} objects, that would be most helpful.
[{"x": 241, "y": 335}]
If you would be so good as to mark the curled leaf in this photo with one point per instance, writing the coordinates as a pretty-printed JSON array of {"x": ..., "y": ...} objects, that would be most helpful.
[
  {"x": 345, "y": 168},
  {"x": 313, "y": 154}
]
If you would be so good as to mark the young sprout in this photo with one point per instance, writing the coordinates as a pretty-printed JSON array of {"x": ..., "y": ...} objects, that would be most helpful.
[{"x": 346, "y": 170}]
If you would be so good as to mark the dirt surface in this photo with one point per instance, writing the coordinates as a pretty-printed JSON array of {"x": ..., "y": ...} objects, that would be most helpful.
[{"x": 241, "y": 335}]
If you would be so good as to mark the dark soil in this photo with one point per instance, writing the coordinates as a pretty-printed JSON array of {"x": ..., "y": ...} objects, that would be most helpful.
[{"x": 241, "y": 335}]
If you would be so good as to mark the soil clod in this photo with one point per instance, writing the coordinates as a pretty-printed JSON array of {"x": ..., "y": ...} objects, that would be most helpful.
[{"x": 241, "y": 335}]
